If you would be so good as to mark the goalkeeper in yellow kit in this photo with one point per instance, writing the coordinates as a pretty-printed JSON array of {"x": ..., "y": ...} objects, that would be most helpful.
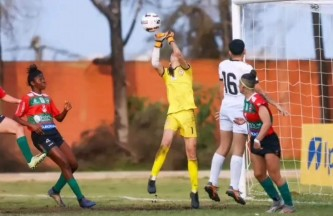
[{"x": 178, "y": 80}]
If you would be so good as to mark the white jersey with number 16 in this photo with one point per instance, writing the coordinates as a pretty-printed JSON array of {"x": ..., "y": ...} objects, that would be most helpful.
[{"x": 230, "y": 72}]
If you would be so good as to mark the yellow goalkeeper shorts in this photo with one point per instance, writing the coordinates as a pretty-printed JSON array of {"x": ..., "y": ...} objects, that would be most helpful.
[{"x": 184, "y": 121}]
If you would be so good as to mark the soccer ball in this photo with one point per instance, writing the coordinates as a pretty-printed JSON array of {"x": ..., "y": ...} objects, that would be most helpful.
[{"x": 150, "y": 22}]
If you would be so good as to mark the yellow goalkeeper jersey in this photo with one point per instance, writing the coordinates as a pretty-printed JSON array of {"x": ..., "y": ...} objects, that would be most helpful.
[{"x": 179, "y": 89}]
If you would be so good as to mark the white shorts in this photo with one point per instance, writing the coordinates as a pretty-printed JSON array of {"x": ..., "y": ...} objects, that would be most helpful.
[{"x": 227, "y": 116}]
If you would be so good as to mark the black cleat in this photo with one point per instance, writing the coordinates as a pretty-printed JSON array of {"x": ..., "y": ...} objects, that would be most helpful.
[
  {"x": 194, "y": 200},
  {"x": 151, "y": 186},
  {"x": 212, "y": 192},
  {"x": 236, "y": 195}
]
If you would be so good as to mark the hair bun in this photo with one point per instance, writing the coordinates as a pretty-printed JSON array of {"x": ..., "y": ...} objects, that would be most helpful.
[{"x": 253, "y": 73}]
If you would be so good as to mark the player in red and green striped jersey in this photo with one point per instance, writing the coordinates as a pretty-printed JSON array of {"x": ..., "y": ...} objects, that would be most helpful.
[
  {"x": 40, "y": 111},
  {"x": 264, "y": 145},
  {"x": 8, "y": 125}
]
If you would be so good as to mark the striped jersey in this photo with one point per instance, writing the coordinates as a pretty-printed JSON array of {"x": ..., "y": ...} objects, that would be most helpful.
[
  {"x": 179, "y": 89},
  {"x": 39, "y": 109},
  {"x": 251, "y": 114},
  {"x": 230, "y": 72}
]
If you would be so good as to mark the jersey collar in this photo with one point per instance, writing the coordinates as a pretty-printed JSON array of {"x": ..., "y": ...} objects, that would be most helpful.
[
  {"x": 248, "y": 99},
  {"x": 36, "y": 93}
]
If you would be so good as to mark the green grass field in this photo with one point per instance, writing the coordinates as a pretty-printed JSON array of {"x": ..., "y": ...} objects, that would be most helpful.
[{"x": 129, "y": 197}]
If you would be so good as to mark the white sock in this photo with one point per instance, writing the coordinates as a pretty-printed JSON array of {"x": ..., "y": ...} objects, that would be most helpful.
[
  {"x": 217, "y": 163},
  {"x": 235, "y": 171}
]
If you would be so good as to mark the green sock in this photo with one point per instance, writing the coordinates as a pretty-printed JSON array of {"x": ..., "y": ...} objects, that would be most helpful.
[
  {"x": 25, "y": 149},
  {"x": 286, "y": 195},
  {"x": 60, "y": 184},
  {"x": 75, "y": 188},
  {"x": 271, "y": 191}
]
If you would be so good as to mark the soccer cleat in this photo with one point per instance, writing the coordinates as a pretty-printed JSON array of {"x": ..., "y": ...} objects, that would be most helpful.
[
  {"x": 287, "y": 209},
  {"x": 277, "y": 206},
  {"x": 236, "y": 195},
  {"x": 56, "y": 197},
  {"x": 212, "y": 192},
  {"x": 85, "y": 203},
  {"x": 35, "y": 160},
  {"x": 194, "y": 200},
  {"x": 151, "y": 186}
]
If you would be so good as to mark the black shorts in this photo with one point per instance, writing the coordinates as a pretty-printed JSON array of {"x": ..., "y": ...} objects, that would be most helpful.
[
  {"x": 47, "y": 141},
  {"x": 270, "y": 145},
  {"x": 2, "y": 117}
]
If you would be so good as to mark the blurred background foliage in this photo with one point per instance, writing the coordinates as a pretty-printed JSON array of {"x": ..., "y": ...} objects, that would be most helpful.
[{"x": 98, "y": 150}]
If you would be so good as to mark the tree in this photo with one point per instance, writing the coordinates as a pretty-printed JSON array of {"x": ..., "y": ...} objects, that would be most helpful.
[
  {"x": 111, "y": 9},
  {"x": 10, "y": 12},
  {"x": 196, "y": 30}
]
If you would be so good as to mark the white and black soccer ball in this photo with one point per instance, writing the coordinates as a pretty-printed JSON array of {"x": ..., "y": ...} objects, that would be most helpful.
[{"x": 150, "y": 22}]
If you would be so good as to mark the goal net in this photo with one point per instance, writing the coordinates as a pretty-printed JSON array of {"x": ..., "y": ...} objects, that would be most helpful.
[{"x": 290, "y": 44}]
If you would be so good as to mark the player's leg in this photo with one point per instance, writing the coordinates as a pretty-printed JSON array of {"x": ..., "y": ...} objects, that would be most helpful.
[
  {"x": 219, "y": 156},
  {"x": 54, "y": 192},
  {"x": 189, "y": 132},
  {"x": 260, "y": 173},
  {"x": 192, "y": 165},
  {"x": 8, "y": 125},
  {"x": 60, "y": 159},
  {"x": 272, "y": 146},
  {"x": 170, "y": 129},
  {"x": 238, "y": 143}
]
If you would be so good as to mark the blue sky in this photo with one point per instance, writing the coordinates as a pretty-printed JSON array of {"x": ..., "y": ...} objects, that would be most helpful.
[{"x": 77, "y": 26}]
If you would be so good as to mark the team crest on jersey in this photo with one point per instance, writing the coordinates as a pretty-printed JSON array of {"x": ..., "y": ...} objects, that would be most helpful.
[{"x": 181, "y": 72}]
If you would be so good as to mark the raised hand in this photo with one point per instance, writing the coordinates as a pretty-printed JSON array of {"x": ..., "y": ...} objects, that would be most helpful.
[
  {"x": 68, "y": 106},
  {"x": 159, "y": 38}
]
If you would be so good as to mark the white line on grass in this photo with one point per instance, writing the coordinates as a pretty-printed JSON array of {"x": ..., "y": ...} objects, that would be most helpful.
[{"x": 131, "y": 198}]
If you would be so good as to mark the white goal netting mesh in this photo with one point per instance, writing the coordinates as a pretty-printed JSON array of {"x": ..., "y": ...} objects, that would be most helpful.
[{"x": 291, "y": 46}]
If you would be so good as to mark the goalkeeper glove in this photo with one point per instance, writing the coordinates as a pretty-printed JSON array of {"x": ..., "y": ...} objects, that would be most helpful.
[
  {"x": 170, "y": 37},
  {"x": 159, "y": 38}
]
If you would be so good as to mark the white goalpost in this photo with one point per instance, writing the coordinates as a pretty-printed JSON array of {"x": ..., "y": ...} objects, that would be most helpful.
[{"x": 289, "y": 42}]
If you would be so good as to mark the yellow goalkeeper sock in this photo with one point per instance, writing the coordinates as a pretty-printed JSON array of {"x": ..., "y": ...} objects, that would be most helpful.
[
  {"x": 193, "y": 170},
  {"x": 159, "y": 161}
]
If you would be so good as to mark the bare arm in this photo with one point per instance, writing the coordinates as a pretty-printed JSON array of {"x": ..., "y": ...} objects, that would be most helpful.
[
  {"x": 281, "y": 109},
  {"x": 34, "y": 127},
  {"x": 266, "y": 120},
  {"x": 63, "y": 114},
  {"x": 179, "y": 55},
  {"x": 11, "y": 99}
]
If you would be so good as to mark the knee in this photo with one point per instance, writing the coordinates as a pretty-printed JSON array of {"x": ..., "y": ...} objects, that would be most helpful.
[
  {"x": 166, "y": 143},
  {"x": 260, "y": 176},
  {"x": 74, "y": 166},
  {"x": 65, "y": 166},
  {"x": 19, "y": 129},
  {"x": 191, "y": 153}
]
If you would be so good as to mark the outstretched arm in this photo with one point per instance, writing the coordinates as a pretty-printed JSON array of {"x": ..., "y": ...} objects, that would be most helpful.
[
  {"x": 155, "y": 57},
  {"x": 176, "y": 51},
  {"x": 11, "y": 99},
  {"x": 281, "y": 109}
]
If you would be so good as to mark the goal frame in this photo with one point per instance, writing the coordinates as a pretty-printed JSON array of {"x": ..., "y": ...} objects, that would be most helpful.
[{"x": 236, "y": 15}]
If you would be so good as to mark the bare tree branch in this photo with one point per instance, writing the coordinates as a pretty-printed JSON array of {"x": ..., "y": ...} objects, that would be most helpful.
[
  {"x": 138, "y": 8},
  {"x": 104, "y": 9}
]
